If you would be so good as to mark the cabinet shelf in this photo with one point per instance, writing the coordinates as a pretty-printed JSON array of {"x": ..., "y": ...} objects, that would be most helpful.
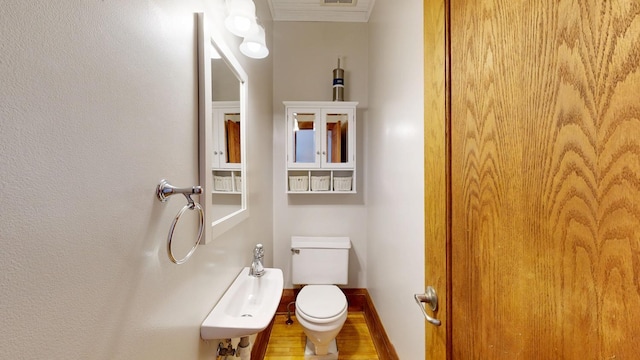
[
  {"x": 314, "y": 181},
  {"x": 227, "y": 182}
]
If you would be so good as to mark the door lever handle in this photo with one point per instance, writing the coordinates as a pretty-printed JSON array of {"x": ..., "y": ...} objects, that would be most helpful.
[{"x": 431, "y": 298}]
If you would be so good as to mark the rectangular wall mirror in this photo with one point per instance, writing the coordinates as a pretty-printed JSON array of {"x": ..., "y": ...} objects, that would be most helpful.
[{"x": 222, "y": 128}]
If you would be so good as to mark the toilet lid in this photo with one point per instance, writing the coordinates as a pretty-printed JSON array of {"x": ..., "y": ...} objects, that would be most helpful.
[{"x": 321, "y": 301}]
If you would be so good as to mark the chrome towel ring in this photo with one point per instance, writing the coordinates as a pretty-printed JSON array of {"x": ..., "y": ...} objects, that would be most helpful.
[{"x": 163, "y": 191}]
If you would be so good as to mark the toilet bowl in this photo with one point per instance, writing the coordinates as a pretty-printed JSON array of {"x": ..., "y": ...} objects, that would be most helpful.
[
  {"x": 319, "y": 264},
  {"x": 321, "y": 310}
]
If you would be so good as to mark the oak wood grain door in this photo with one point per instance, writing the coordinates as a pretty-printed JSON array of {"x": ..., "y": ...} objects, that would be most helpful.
[
  {"x": 535, "y": 211},
  {"x": 233, "y": 141}
]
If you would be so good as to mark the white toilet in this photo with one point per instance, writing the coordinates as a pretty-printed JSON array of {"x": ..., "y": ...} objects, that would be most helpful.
[{"x": 319, "y": 264}]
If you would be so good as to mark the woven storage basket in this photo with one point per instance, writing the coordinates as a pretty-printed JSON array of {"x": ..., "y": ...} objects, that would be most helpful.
[
  {"x": 298, "y": 183},
  {"x": 222, "y": 183},
  {"x": 342, "y": 183},
  {"x": 319, "y": 183},
  {"x": 237, "y": 183}
]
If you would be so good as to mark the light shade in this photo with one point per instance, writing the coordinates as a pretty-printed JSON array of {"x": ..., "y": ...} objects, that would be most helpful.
[
  {"x": 255, "y": 46},
  {"x": 241, "y": 20}
]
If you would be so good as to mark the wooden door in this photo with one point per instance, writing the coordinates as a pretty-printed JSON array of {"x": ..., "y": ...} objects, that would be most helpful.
[
  {"x": 233, "y": 141},
  {"x": 535, "y": 222},
  {"x": 334, "y": 141}
]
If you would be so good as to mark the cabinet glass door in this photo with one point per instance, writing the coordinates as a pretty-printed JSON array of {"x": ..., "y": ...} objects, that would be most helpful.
[
  {"x": 226, "y": 135},
  {"x": 336, "y": 139},
  {"x": 304, "y": 131}
]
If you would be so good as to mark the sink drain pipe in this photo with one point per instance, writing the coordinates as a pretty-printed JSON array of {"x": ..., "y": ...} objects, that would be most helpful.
[{"x": 244, "y": 350}]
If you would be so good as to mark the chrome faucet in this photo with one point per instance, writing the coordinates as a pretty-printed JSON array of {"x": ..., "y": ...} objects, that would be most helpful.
[{"x": 257, "y": 269}]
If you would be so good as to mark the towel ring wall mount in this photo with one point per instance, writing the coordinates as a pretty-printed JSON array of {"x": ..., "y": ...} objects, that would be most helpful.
[{"x": 163, "y": 191}]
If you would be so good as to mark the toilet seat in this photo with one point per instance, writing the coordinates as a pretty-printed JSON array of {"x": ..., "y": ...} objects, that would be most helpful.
[{"x": 321, "y": 303}]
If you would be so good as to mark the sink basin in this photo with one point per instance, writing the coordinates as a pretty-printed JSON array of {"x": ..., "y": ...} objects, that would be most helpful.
[{"x": 246, "y": 308}]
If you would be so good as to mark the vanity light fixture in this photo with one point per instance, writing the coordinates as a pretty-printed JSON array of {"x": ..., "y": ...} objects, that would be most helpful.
[
  {"x": 255, "y": 46},
  {"x": 241, "y": 20}
]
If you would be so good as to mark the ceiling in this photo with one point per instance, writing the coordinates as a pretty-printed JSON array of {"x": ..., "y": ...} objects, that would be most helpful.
[{"x": 321, "y": 10}]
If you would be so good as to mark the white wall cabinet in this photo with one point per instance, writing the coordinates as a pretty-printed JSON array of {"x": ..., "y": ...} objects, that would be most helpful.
[
  {"x": 321, "y": 143},
  {"x": 226, "y": 147}
]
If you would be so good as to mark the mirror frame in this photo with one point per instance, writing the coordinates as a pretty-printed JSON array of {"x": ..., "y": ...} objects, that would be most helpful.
[{"x": 206, "y": 39}]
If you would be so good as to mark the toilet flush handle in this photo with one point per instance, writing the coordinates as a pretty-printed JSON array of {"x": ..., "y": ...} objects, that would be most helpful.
[
  {"x": 295, "y": 251},
  {"x": 429, "y": 297}
]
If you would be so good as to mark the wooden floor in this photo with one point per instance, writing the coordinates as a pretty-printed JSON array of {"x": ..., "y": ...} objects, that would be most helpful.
[{"x": 287, "y": 342}]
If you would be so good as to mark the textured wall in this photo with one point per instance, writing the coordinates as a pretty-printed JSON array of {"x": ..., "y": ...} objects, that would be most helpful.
[{"x": 98, "y": 104}]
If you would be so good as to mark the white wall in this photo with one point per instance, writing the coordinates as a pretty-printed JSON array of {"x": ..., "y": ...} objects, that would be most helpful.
[
  {"x": 305, "y": 54},
  {"x": 395, "y": 194},
  {"x": 98, "y": 104}
]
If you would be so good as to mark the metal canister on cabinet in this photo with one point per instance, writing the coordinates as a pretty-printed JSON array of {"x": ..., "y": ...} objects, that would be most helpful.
[{"x": 338, "y": 83}]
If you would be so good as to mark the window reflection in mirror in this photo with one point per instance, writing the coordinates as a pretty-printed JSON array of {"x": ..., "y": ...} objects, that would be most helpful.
[
  {"x": 334, "y": 138},
  {"x": 305, "y": 137}
]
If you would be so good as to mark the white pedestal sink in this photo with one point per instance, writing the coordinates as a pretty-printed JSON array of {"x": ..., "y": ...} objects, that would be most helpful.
[{"x": 246, "y": 308}]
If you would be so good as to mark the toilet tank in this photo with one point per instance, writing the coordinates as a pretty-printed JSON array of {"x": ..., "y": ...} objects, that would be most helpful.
[{"x": 320, "y": 260}]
